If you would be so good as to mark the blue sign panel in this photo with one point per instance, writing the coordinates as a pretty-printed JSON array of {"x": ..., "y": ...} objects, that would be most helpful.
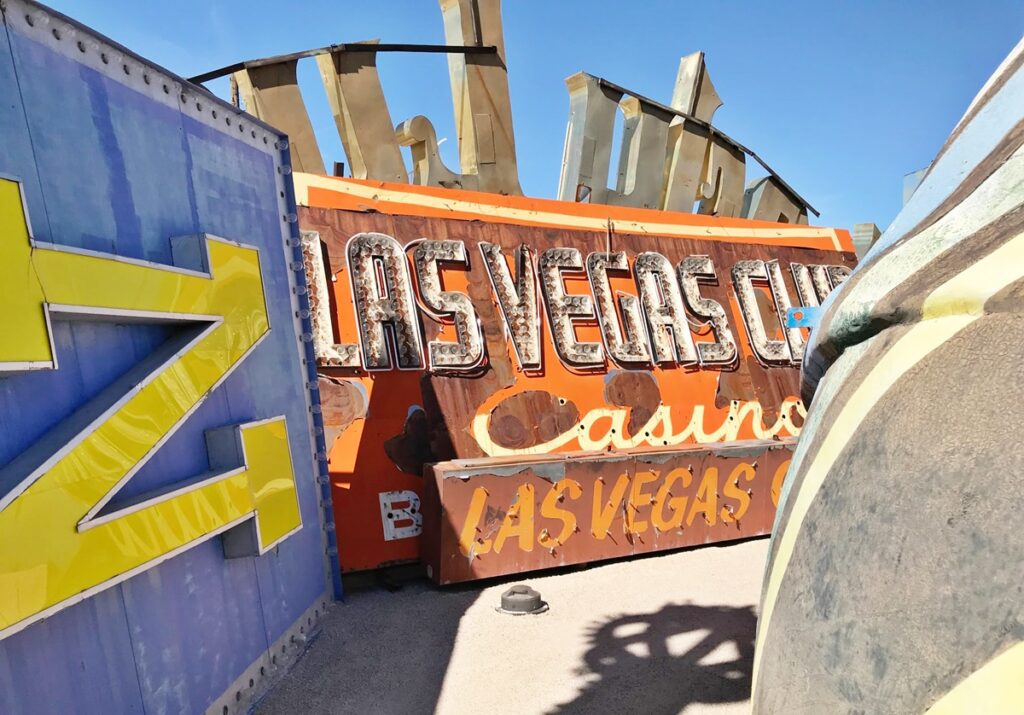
[{"x": 162, "y": 546}]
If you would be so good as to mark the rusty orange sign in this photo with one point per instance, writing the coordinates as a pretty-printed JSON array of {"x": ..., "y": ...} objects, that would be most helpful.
[
  {"x": 455, "y": 325},
  {"x": 490, "y": 518}
]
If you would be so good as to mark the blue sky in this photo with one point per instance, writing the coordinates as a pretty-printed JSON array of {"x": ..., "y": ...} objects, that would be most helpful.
[{"x": 841, "y": 98}]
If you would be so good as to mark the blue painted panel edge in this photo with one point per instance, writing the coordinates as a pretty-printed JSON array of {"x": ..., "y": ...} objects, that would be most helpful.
[{"x": 309, "y": 362}]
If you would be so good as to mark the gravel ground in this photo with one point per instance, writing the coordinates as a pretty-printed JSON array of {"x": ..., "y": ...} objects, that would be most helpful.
[{"x": 671, "y": 633}]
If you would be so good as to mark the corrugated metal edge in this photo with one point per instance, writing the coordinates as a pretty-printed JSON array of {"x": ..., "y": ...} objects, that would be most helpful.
[
  {"x": 304, "y": 322},
  {"x": 267, "y": 671},
  {"x": 87, "y": 47}
]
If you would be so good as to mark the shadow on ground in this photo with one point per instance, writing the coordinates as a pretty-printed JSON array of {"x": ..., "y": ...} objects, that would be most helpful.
[
  {"x": 378, "y": 652},
  {"x": 661, "y": 662}
]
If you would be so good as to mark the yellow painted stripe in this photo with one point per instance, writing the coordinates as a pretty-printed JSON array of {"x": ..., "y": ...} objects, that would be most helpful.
[
  {"x": 303, "y": 182},
  {"x": 967, "y": 291},
  {"x": 997, "y": 688},
  {"x": 948, "y": 309}
]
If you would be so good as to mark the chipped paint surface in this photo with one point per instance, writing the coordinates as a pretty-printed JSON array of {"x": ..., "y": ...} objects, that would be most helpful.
[
  {"x": 484, "y": 522},
  {"x": 593, "y": 341}
]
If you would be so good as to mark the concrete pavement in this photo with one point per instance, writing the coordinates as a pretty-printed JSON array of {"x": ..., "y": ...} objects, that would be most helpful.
[{"x": 663, "y": 634}]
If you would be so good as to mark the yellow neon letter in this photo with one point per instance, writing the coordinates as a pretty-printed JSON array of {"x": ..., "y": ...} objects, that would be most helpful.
[{"x": 60, "y": 542}]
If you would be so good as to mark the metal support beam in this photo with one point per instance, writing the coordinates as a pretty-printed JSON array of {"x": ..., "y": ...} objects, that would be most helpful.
[{"x": 345, "y": 47}]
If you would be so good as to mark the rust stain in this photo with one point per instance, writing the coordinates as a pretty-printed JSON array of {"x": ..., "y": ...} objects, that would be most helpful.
[
  {"x": 479, "y": 289},
  {"x": 636, "y": 390},
  {"x": 737, "y": 384},
  {"x": 532, "y": 417},
  {"x": 411, "y": 449}
]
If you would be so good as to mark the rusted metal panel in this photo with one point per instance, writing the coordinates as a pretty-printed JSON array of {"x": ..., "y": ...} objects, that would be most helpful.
[
  {"x": 512, "y": 422},
  {"x": 656, "y": 285},
  {"x": 495, "y": 517}
]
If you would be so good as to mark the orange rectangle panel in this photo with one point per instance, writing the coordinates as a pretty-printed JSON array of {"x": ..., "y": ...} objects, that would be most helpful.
[
  {"x": 488, "y": 518},
  {"x": 468, "y": 326}
]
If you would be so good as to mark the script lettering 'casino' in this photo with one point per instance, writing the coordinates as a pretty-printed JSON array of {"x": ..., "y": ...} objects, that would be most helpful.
[{"x": 650, "y": 328}]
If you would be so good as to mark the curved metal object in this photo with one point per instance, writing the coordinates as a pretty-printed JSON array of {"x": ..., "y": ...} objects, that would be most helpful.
[
  {"x": 427, "y": 167},
  {"x": 914, "y": 371}
]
